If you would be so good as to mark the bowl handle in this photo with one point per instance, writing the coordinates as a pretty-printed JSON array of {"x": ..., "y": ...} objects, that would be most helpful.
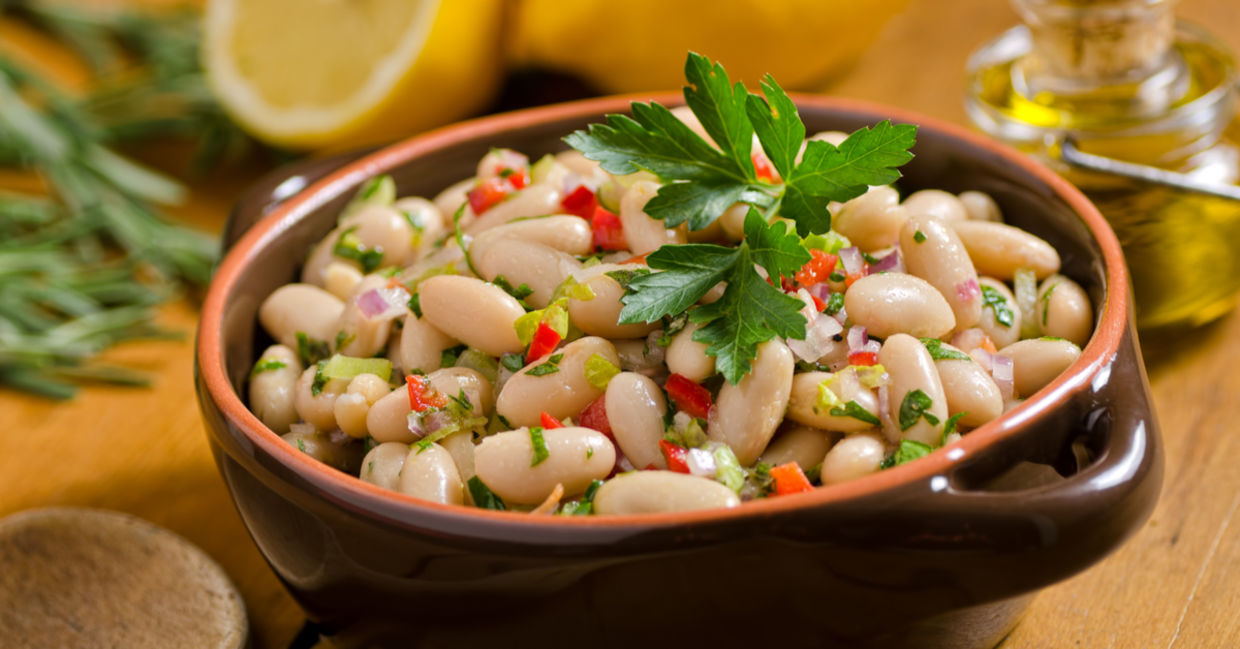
[
  {"x": 278, "y": 186},
  {"x": 1033, "y": 536}
]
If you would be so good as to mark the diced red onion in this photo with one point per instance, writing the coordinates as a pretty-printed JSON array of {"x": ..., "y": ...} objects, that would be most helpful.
[
  {"x": 383, "y": 303},
  {"x": 968, "y": 290},
  {"x": 871, "y": 346},
  {"x": 701, "y": 462},
  {"x": 821, "y": 291},
  {"x": 857, "y": 338},
  {"x": 853, "y": 261},
  {"x": 890, "y": 430},
  {"x": 841, "y": 316},
  {"x": 819, "y": 336},
  {"x": 1001, "y": 371},
  {"x": 891, "y": 263}
]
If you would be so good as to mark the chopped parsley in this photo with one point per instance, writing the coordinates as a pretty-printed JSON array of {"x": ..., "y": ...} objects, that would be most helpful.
[
  {"x": 919, "y": 236},
  {"x": 267, "y": 365},
  {"x": 448, "y": 357},
  {"x": 550, "y": 367},
  {"x": 483, "y": 496},
  {"x": 834, "y": 304},
  {"x": 519, "y": 292},
  {"x": 854, "y": 410},
  {"x": 991, "y": 297},
  {"x": 908, "y": 451},
  {"x": 349, "y": 246},
  {"x": 1046, "y": 302},
  {"x": 940, "y": 353},
  {"x": 625, "y": 276},
  {"x": 343, "y": 338},
  {"x": 949, "y": 426},
  {"x": 539, "y": 445},
  {"x": 513, "y": 362},
  {"x": 672, "y": 325},
  {"x": 836, "y": 276},
  {"x": 415, "y": 305},
  {"x": 311, "y": 350},
  {"x": 301, "y": 445},
  {"x": 916, "y": 405},
  {"x": 584, "y": 506}
]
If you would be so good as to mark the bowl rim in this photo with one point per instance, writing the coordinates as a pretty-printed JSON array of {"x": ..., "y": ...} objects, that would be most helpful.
[{"x": 408, "y": 512}]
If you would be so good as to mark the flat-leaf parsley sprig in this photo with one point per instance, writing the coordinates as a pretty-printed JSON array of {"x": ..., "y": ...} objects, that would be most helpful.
[{"x": 701, "y": 180}]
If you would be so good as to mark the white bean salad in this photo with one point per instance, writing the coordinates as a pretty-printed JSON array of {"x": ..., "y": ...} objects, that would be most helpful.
[{"x": 471, "y": 348}]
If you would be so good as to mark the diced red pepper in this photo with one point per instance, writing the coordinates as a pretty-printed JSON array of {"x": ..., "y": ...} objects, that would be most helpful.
[
  {"x": 580, "y": 202},
  {"x": 790, "y": 479},
  {"x": 639, "y": 259},
  {"x": 608, "y": 232},
  {"x": 763, "y": 168},
  {"x": 595, "y": 416},
  {"x": 818, "y": 304},
  {"x": 547, "y": 421},
  {"x": 676, "y": 455},
  {"x": 862, "y": 358},
  {"x": 544, "y": 341},
  {"x": 486, "y": 194},
  {"x": 988, "y": 345},
  {"x": 688, "y": 396},
  {"x": 817, "y": 269},
  {"x": 519, "y": 178},
  {"x": 419, "y": 399},
  {"x": 849, "y": 278}
]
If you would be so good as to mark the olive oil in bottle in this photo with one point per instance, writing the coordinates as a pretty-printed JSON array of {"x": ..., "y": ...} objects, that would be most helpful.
[{"x": 1121, "y": 79}]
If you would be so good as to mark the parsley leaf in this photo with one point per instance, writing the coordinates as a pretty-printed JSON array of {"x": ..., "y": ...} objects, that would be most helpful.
[
  {"x": 349, "y": 246},
  {"x": 940, "y": 353},
  {"x": 854, "y": 410},
  {"x": 311, "y": 350},
  {"x": 550, "y": 367},
  {"x": 998, "y": 304},
  {"x": 777, "y": 124},
  {"x": 916, "y": 405},
  {"x": 267, "y": 365},
  {"x": 539, "y": 445},
  {"x": 483, "y": 496}
]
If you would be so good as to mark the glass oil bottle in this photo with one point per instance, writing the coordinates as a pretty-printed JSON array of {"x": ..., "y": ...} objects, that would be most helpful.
[{"x": 1121, "y": 79}]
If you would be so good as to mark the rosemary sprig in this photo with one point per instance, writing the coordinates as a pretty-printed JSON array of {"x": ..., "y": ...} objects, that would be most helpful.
[{"x": 84, "y": 268}]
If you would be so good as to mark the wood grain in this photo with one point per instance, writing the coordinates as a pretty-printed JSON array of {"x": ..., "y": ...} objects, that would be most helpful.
[{"x": 1172, "y": 585}]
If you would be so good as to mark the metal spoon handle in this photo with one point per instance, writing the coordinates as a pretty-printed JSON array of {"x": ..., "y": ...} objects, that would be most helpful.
[{"x": 1077, "y": 158}]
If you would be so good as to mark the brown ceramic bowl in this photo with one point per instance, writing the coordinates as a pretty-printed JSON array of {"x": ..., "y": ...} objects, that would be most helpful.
[{"x": 942, "y": 552}]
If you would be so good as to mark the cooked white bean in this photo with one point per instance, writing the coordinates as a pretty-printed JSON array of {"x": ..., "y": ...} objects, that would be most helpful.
[
  {"x": 351, "y": 408},
  {"x": 1037, "y": 361},
  {"x": 687, "y": 357},
  {"x": 272, "y": 389},
  {"x": 968, "y": 389},
  {"x": 476, "y": 313},
  {"x": 804, "y": 445},
  {"x": 871, "y": 220},
  {"x": 635, "y": 406},
  {"x": 430, "y": 474},
  {"x": 451, "y": 198},
  {"x": 318, "y": 445},
  {"x": 373, "y": 227},
  {"x": 998, "y": 249},
  {"x": 911, "y": 368},
  {"x": 649, "y": 492},
  {"x": 935, "y": 204},
  {"x": 600, "y": 315},
  {"x": 317, "y": 409},
  {"x": 461, "y": 446},
  {"x": 452, "y": 381},
  {"x": 890, "y": 303},
  {"x": 933, "y": 252},
  {"x": 579, "y": 164},
  {"x": 382, "y": 465},
  {"x": 357, "y": 334},
  {"x": 980, "y": 206},
  {"x": 1004, "y": 302},
  {"x": 497, "y": 160},
  {"x": 388, "y": 418},
  {"x": 746, "y": 414},
  {"x": 732, "y": 221},
  {"x": 852, "y": 457},
  {"x": 300, "y": 307},
  {"x": 643, "y": 233},
  {"x": 640, "y": 355},
  {"x": 565, "y": 233},
  {"x": 563, "y": 393},
  {"x": 426, "y": 223},
  {"x": 803, "y": 403},
  {"x": 542, "y": 268},
  {"x": 341, "y": 279},
  {"x": 535, "y": 200},
  {"x": 576, "y": 456},
  {"x": 420, "y": 346},
  {"x": 1063, "y": 310}
]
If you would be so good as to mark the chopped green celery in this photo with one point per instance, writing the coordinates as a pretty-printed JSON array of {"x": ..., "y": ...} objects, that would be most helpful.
[
  {"x": 831, "y": 242},
  {"x": 380, "y": 190},
  {"x": 555, "y": 315},
  {"x": 481, "y": 362},
  {"x": 728, "y": 471},
  {"x": 572, "y": 289},
  {"x": 1025, "y": 286},
  {"x": 541, "y": 169},
  {"x": 872, "y": 376},
  {"x": 599, "y": 371},
  {"x": 347, "y": 367},
  {"x": 827, "y": 400}
]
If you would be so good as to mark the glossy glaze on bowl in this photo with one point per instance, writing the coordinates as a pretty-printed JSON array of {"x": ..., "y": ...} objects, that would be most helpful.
[{"x": 900, "y": 558}]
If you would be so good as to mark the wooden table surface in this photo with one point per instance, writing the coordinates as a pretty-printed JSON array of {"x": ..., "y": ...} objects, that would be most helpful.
[{"x": 1174, "y": 584}]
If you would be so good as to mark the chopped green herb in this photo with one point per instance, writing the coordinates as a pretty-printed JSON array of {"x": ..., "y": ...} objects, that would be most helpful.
[
  {"x": 448, "y": 357},
  {"x": 836, "y": 276},
  {"x": 550, "y": 367},
  {"x": 910, "y": 450},
  {"x": 584, "y": 506},
  {"x": 868, "y": 258},
  {"x": 267, "y": 365},
  {"x": 343, "y": 338},
  {"x": 519, "y": 292},
  {"x": 1046, "y": 302},
  {"x": 311, "y": 350},
  {"x": 916, "y": 405},
  {"x": 513, "y": 362},
  {"x": 919, "y": 236},
  {"x": 625, "y": 276},
  {"x": 856, "y": 411},
  {"x": 369, "y": 444},
  {"x": 814, "y": 475},
  {"x": 320, "y": 379},
  {"x": 378, "y": 190},
  {"x": 301, "y": 445},
  {"x": 998, "y": 304},
  {"x": 459, "y": 235},
  {"x": 1050, "y": 338},
  {"x": 349, "y": 246},
  {"x": 728, "y": 471},
  {"x": 599, "y": 371},
  {"x": 760, "y": 477},
  {"x": 834, "y": 304},
  {"x": 539, "y": 446},
  {"x": 415, "y": 304},
  {"x": 483, "y": 496},
  {"x": 940, "y": 353},
  {"x": 949, "y": 426},
  {"x": 672, "y": 325},
  {"x": 589, "y": 452}
]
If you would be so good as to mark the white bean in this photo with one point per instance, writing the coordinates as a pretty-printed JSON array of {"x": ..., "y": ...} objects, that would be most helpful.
[
  {"x": 357, "y": 334},
  {"x": 300, "y": 307},
  {"x": 540, "y": 267},
  {"x": 643, "y": 233},
  {"x": 804, "y": 445},
  {"x": 980, "y": 206},
  {"x": 803, "y": 403},
  {"x": 872, "y": 220},
  {"x": 890, "y": 303},
  {"x": 383, "y": 463},
  {"x": 563, "y": 393},
  {"x": 451, "y": 198},
  {"x": 600, "y": 315},
  {"x": 648, "y": 492},
  {"x": 565, "y": 233},
  {"x": 1037, "y": 361},
  {"x": 341, "y": 279},
  {"x": 853, "y": 457},
  {"x": 452, "y": 381},
  {"x": 461, "y": 446},
  {"x": 535, "y": 200},
  {"x": 968, "y": 389},
  {"x": 272, "y": 391},
  {"x": 318, "y": 445},
  {"x": 374, "y": 227},
  {"x": 635, "y": 406},
  {"x": 576, "y": 456},
  {"x": 746, "y": 414},
  {"x": 933, "y": 252},
  {"x": 351, "y": 408},
  {"x": 911, "y": 368},
  {"x": 687, "y": 357},
  {"x": 935, "y": 204},
  {"x": 478, "y": 314},
  {"x": 420, "y": 346},
  {"x": 1064, "y": 311},
  {"x": 427, "y": 224},
  {"x": 1000, "y": 334},
  {"x": 387, "y": 420},
  {"x": 430, "y": 474},
  {"x": 317, "y": 409},
  {"x": 999, "y": 250},
  {"x": 732, "y": 221}
]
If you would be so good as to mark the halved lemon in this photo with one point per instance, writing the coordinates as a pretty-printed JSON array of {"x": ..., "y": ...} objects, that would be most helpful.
[{"x": 343, "y": 73}]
